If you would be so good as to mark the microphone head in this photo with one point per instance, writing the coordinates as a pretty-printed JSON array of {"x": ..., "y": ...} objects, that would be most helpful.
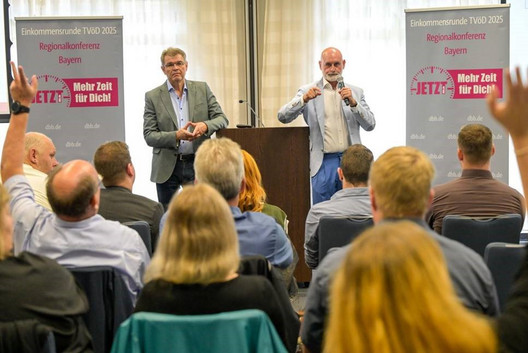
[
  {"x": 241, "y": 101},
  {"x": 340, "y": 83}
]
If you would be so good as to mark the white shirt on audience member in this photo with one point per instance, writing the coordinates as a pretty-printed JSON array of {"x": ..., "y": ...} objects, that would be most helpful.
[{"x": 37, "y": 180}]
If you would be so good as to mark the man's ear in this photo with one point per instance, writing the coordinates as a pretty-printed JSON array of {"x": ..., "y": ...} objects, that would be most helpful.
[
  {"x": 492, "y": 149},
  {"x": 130, "y": 170},
  {"x": 431, "y": 197},
  {"x": 460, "y": 155},
  {"x": 33, "y": 155},
  {"x": 242, "y": 186},
  {"x": 372, "y": 200},
  {"x": 340, "y": 173},
  {"x": 94, "y": 201}
]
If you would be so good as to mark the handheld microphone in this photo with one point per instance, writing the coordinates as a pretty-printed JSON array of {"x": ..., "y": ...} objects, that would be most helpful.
[
  {"x": 341, "y": 85},
  {"x": 259, "y": 122}
]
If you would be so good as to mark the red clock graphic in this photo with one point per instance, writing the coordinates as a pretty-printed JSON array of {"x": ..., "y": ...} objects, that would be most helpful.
[
  {"x": 52, "y": 90},
  {"x": 432, "y": 80}
]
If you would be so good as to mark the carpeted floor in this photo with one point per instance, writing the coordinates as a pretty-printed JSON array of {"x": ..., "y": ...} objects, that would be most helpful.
[{"x": 299, "y": 301}]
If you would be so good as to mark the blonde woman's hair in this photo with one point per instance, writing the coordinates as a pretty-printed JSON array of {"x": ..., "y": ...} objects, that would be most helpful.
[
  {"x": 393, "y": 294},
  {"x": 199, "y": 243},
  {"x": 254, "y": 195},
  {"x": 5, "y": 249},
  {"x": 401, "y": 182}
]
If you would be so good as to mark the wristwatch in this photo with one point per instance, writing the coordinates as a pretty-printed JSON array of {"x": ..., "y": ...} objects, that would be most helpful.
[{"x": 17, "y": 108}]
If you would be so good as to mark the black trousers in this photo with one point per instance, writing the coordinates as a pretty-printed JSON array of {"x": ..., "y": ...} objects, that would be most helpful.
[{"x": 182, "y": 174}]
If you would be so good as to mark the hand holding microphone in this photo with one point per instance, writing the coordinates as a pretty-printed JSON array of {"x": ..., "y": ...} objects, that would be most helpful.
[{"x": 346, "y": 92}]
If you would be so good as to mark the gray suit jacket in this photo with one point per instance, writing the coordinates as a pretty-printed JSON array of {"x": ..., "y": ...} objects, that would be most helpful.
[
  {"x": 313, "y": 113},
  {"x": 160, "y": 124}
]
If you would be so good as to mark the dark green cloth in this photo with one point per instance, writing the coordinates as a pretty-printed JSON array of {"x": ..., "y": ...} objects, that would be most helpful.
[
  {"x": 245, "y": 331},
  {"x": 240, "y": 293},
  {"x": 276, "y": 213}
]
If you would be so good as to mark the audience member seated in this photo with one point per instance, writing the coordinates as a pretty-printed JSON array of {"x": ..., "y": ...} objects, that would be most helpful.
[
  {"x": 219, "y": 163},
  {"x": 112, "y": 161},
  {"x": 194, "y": 270},
  {"x": 253, "y": 199},
  {"x": 400, "y": 188},
  {"x": 351, "y": 201},
  {"x": 35, "y": 287},
  {"x": 392, "y": 293},
  {"x": 475, "y": 193},
  {"x": 39, "y": 161},
  {"x": 74, "y": 234}
]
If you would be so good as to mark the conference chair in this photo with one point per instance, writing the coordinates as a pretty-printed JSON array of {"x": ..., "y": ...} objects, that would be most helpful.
[
  {"x": 26, "y": 336},
  {"x": 477, "y": 232},
  {"x": 336, "y": 232},
  {"x": 143, "y": 229},
  {"x": 504, "y": 261},
  {"x": 258, "y": 265},
  {"x": 110, "y": 303},
  {"x": 244, "y": 331}
]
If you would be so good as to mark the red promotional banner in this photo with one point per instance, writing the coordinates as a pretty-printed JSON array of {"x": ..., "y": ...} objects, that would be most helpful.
[{"x": 475, "y": 83}]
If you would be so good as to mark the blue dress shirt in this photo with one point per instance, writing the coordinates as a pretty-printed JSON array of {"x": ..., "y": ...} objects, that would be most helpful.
[{"x": 90, "y": 242}]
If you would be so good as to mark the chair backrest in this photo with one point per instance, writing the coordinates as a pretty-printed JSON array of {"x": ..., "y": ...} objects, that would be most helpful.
[
  {"x": 258, "y": 265},
  {"x": 143, "y": 229},
  {"x": 26, "y": 336},
  {"x": 110, "y": 303},
  {"x": 241, "y": 331},
  {"x": 477, "y": 232},
  {"x": 337, "y": 232},
  {"x": 504, "y": 261}
]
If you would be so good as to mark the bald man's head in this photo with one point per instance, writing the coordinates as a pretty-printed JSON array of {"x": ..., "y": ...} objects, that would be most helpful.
[
  {"x": 39, "y": 152},
  {"x": 332, "y": 64},
  {"x": 73, "y": 190}
]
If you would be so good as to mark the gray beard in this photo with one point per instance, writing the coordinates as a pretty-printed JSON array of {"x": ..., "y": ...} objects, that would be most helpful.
[{"x": 332, "y": 78}]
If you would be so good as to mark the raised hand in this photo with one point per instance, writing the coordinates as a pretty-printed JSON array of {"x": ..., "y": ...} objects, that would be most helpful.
[
  {"x": 21, "y": 90},
  {"x": 512, "y": 113}
]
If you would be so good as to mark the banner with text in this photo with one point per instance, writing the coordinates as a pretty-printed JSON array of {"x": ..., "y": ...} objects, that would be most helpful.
[
  {"x": 454, "y": 57},
  {"x": 79, "y": 65}
]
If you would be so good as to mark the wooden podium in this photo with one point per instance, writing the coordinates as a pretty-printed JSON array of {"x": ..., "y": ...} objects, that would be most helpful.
[{"x": 282, "y": 154}]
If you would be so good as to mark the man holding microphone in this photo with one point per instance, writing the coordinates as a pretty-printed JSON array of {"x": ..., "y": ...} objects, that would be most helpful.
[{"x": 334, "y": 111}]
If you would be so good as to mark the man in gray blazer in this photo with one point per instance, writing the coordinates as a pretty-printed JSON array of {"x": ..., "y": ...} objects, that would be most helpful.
[
  {"x": 334, "y": 111},
  {"x": 179, "y": 115}
]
